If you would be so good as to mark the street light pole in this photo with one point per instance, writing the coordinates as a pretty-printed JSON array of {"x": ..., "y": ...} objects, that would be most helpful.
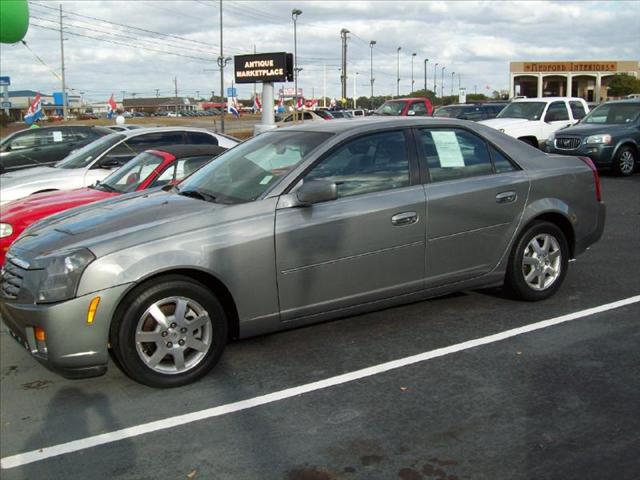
[
  {"x": 413, "y": 55},
  {"x": 442, "y": 83},
  {"x": 452, "y": 74},
  {"x": 435, "y": 75},
  {"x": 426, "y": 60},
  {"x": 295, "y": 13},
  {"x": 355, "y": 95},
  {"x": 398, "y": 72},
  {"x": 371, "y": 79}
]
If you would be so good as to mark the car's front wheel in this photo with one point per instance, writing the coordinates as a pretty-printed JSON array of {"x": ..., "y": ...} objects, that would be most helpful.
[
  {"x": 169, "y": 332},
  {"x": 538, "y": 262},
  {"x": 624, "y": 162}
]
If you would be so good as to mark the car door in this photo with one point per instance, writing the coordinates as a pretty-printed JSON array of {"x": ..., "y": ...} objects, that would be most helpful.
[
  {"x": 26, "y": 149},
  {"x": 366, "y": 245},
  {"x": 475, "y": 199}
]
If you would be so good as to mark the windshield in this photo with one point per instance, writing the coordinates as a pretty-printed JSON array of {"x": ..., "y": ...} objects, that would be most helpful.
[
  {"x": 82, "y": 158},
  {"x": 448, "y": 112},
  {"x": 132, "y": 174},
  {"x": 613, "y": 114},
  {"x": 245, "y": 172},
  {"x": 526, "y": 110},
  {"x": 391, "y": 108}
]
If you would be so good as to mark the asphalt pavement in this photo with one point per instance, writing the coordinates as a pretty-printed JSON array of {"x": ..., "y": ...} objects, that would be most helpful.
[{"x": 561, "y": 402}]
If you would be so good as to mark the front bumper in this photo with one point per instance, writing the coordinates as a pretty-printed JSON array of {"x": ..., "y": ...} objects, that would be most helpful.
[
  {"x": 72, "y": 347},
  {"x": 601, "y": 155}
]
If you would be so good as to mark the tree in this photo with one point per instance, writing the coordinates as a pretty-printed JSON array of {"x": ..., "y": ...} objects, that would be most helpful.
[{"x": 623, "y": 84}]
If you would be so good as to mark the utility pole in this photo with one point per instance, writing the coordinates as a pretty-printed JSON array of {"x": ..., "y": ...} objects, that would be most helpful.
[
  {"x": 435, "y": 75},
  {"x": 64, "y": 84},
  {"x": 324, "y": 86},
  {"x": 398, "y": 72},
  {"x": 295, "y": 13},
  {"x": 197, "y": 94},
  {"x": 413, "y": 55},
  {"x": 343, "y": 74},
  {"x": 157, "y": 92},
  {"x": 255, "y": 93},
  {"x": 442, "y": 83},
  {"x": 175, "y": 85},
  {"x": 222, "y": 62},
  {"x": 452, "y": 74},
  {"x": 355, "y": 80},
  {"x": 123, "y": 92},
  {"x": 426, "y": 60},
  {"x": 371, "y": 79}
]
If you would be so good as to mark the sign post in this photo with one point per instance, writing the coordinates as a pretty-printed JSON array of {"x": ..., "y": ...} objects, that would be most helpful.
[{"x": 265, "y": 68}]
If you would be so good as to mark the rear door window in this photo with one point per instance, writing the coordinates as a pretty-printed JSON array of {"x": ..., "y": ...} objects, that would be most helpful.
[
  {"x": 577, "y": 110},
  {"x": 556, "y": 112},
  {"x": 419, "y": 109},
  {"x": 451, "y": 154},
  {"x": 200, "y": 138}
]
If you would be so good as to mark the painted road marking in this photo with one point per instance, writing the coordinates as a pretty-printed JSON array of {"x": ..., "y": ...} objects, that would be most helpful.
[{"x": 172, "y": 422}]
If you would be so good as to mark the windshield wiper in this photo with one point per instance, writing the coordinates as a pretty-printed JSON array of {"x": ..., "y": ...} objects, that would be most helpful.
[{"x": 198, "y": 194}]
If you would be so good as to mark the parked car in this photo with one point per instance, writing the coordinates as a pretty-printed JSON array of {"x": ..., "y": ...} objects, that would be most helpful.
[
  {"x": 294, "y": 226},
  {"x": 306, "y": 116},
  {"x": 96, "y": 160},
  {"x": 609, "y": 135},
  {"x": 122, "y": 128},
  {"x": 419, "y": 107},
  {"x": 44, "y": 146},
  {"x": 532, "y": 120},
  {"x": 340, "y": 114},
  {"x": 475, "y": 112},
  {"x": 150, "y": 169}
]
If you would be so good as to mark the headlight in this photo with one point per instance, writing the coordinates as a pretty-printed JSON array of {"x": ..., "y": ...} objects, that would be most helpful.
[
  {"x": 6, "y": 230},
  {"x": 551, "y": 137},
  {"x": 599, "y": 140},
  {"x": 62, "y": 274}
]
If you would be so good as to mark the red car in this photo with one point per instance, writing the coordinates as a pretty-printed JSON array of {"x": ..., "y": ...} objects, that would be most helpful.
[
  {"x": 152, "y": 168},
  {"x": 406, "y": 107}
]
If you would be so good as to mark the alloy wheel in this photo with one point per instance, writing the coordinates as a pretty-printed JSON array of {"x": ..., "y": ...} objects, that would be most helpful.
[{"x": 542, "y": 262}]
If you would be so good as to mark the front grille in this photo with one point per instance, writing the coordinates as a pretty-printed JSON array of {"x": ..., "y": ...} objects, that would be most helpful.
[
  {"x": 567, "y": 143},
  {"x": 11, "y": 280}
]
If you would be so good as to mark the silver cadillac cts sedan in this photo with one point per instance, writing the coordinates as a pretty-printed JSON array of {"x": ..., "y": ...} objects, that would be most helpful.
[{"x": 292, "y": 227}]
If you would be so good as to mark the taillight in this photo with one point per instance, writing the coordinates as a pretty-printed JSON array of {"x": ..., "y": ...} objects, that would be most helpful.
[{"x": 596, "y": 176}]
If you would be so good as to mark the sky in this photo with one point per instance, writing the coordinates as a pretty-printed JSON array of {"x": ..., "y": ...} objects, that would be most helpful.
[{"x": 149, "y": 42}]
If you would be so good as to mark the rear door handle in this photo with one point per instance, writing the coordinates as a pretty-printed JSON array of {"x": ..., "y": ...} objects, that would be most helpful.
[
  {"x": 405, "y": 218},
  {"x": 506, "y": 197}
]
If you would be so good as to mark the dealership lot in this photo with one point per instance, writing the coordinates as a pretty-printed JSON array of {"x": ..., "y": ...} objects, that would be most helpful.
[{"x": 559, "y": 402}]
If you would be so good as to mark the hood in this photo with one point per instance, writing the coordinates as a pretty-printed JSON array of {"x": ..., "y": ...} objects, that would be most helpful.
[
  {"x": 35, "y": 207},
  {"x": 584, "y": 130},
  {"x": 506, "y": 123},
  {"x": 19, "y": 184},
  {"x": 114, "y": 224}
]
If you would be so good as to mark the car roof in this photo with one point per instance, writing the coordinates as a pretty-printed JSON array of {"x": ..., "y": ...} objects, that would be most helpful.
[
  {"x": 352, "y": 125},
  {"x": 623, "y": 101},
  {"x": 141, "y": 131},
  {"x": 180, "y": 151},
  {"x": 547, "y": 99}
]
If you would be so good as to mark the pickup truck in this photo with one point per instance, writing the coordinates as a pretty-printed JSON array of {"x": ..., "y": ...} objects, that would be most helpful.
[
  {"x": 406, "y": 107},
  {"x": 532, "y": 120}
]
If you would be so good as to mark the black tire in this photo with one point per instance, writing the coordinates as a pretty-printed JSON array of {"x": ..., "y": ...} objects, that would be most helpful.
[
  {"x": 132, "y": 312},
  {"x": 625, "y": 161},
  {"x": 515, "y": 282}
]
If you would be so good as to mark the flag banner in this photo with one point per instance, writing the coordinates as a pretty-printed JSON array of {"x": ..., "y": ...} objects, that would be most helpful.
[
  {"x": 257, "y": 105},
  {"x": 111, "y": 107},
  {"x": 233, "y": 107},
  {"x": 35, "y": 111}
]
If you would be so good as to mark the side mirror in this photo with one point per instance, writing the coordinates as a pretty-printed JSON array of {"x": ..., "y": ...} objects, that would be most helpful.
[
  {"x": 316, "y": 191},
  {"x": 411, "y": 113},
  {"x": 109, "y": 163}
]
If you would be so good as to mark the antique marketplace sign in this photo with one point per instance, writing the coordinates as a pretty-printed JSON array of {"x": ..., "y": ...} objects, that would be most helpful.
[{"x": 263, "y": 67}]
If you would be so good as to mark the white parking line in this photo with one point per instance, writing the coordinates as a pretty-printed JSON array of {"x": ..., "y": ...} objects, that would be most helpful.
[{"x": 172, "y": 422}]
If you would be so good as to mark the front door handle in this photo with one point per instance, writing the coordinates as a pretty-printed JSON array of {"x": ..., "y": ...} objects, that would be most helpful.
[
  {"x": 405, "y": 218},
  {"x": 506, "y": 197}
]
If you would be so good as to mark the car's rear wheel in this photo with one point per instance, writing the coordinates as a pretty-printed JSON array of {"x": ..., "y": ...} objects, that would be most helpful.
[
  {"x": 538, "y": 262},
  {"x": 169, "y": 332},
  {"x": 624, "y": 162}
]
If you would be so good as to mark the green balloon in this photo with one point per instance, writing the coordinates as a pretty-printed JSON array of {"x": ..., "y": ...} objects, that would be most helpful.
[{"x": 14, "y": 20}]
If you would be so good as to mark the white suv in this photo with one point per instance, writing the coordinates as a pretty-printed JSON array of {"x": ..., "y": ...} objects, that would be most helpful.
[{"x": 532, "y": 120}]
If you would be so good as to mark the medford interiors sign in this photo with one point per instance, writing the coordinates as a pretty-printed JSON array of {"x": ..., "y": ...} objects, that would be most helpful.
[{"x": 264, "y": 67}]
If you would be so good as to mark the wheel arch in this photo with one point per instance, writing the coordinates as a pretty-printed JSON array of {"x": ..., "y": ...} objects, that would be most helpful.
[
  {"x": 627, "y": 142},
  {"x": 561, "y": 221},
  {"x": 210, "y": 281}
]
